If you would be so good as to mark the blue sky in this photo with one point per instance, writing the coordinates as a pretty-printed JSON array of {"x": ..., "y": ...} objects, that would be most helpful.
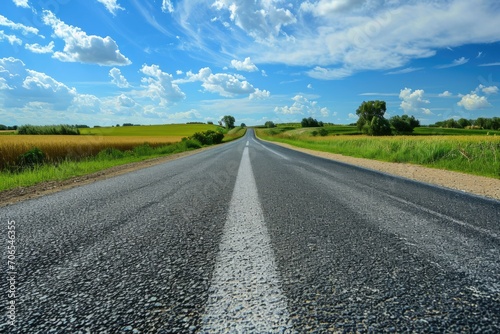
[{"x": 106, "y": 62}]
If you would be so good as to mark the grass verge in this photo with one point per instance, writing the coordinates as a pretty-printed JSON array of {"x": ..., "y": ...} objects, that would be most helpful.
[{"x": 478, "y": 155}]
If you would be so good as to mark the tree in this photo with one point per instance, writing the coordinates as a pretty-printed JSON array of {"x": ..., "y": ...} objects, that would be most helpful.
[
  {"x": 371, "y": 118},
  {"x": 228, "y": 121},
  {"x": 404, "y": 124},
  {"x": 270, "y": 124},
  {"x": 310, "y": 123}
]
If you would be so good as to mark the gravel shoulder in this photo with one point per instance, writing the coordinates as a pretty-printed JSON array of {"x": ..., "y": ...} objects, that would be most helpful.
[{"x": 478, "y": 185}]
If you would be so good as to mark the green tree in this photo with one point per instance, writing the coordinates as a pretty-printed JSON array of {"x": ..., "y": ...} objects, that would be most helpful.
[
  {"x": 310, "y": 123},
  {"x": 228, "y": 121},
  {"x": 404, "y": 124},
  {"x": 270, "y": 124},
  {"x": 371, "y": 118}
]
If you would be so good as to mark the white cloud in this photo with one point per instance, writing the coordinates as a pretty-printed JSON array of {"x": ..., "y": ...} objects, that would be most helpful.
[
  {"x": 80, "y": 47},
  {"x": 262, "y": 20},
  {"x": 259, "y": 94},
  {"x": 118, "y": 79},
  {"x": 456, "y": 62},
  {"x": 445, "y": 94},
  {"x": 85, "y": 104},
  {"x": 309, "y": 86},
  {"x": 491, "y": 64},
  {"x": 159, "y": 86},
  {"x": 327, "y": 7},
  {"x": 111, "y": 5},
  {"x": 474, "y": 102},
  {"x": 12, "y": 39},
  {"x": 406, "y": 70},
  {"x": 413, "y": 102},
  {"x": 226, "y": 85},
  {"x": 167, "y": 6},
  {"x": 302, "y": 106},
  {"x": 25, "y": 87},
  {"x": 245, "y": 65},
  {"x": 185, "y": 115},
  {"x": 25, "y": 30},
  {"x": 21, "y": 3},
  {"x": 329, "y": 74},
  {"x": 37, "y": 48},
  {"x": 488, "y": 90}
]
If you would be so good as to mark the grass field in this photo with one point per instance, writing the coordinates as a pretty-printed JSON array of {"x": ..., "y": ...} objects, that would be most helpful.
[
  {"x": 171, "y": 130},
  {"x": 474, "y": 153}
]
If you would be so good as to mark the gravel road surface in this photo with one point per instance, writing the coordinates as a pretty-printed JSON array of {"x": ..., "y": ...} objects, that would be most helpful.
[{"x": 251, "y": 237}]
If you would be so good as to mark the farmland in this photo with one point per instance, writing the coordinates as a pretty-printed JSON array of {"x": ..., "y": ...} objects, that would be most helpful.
[
  {"x": 29, "y": 159},
  {"x": 476, "y": 152}
]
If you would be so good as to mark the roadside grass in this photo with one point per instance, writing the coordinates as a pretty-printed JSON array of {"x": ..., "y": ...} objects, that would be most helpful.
[
  {"x": 479, "y": 154},
  {"x": 106, "y": 158},
  {"x": 234, "y": 133}
]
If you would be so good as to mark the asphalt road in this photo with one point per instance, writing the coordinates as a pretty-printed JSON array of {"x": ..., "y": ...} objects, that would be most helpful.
[{"x": 252, "y": 237}]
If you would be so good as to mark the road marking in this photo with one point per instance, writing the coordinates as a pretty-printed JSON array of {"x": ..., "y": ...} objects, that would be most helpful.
[
  {"x": 245, "y": 294},
  {"x": 247, "y": 143},
  {"x": 271, "y": 150}
]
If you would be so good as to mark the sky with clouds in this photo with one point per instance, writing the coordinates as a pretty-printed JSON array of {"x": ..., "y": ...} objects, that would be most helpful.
[{"x": 106, "y": 62}]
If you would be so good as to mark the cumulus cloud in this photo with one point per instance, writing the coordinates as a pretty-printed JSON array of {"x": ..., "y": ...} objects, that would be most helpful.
[
  {"x": 37, "y": 48},
  {"x": 245, "y": 65},
  {"x": 224, "y": 84},
  {"x": 111, "y": 5},
  {"x": 488, "y": 90},
  {"x": 159, "y": 86},
  {"x": 118, "y": 79},
  {"x": 80, "y": 47},
  {"x": 261, "y": 20},
  {"x": 473, "y": 101},
  {"x": 259, "y": 94},
  {"x": 413, "y": 102},
  {"x": 303, "y": 106},
  {"x": 23, "y": 86},
  {"x": 456, "y": 62}
]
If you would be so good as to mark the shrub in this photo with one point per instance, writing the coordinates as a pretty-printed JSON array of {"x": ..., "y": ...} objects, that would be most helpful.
[
  {"x": 208, "y": 137},
  {"x": 30, "y": 159},
  {"x": 110, "y": 153},
  {"x": 48, "y": 130},
  {"x": 323, "y": 132}
]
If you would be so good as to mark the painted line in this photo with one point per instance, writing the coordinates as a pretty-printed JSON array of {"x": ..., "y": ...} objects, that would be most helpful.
[
  {"x": 245, "y": 293},
  {"x": 247, "y": 143},
  {"x": 271, "y": 150}
]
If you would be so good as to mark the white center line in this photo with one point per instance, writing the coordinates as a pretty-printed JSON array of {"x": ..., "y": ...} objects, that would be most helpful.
[{"x": 245, "y": 294}]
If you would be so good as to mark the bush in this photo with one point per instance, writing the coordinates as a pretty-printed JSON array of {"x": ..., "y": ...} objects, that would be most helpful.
[
  {"x": 404, "y": 124},
  {"x": 48, "y": 130},
  {"x": 323, "y": 132},
  {"x": 31, "y": 158},
  {"x": 269, "y": 124},
  {"x": 209, "y": 137}
]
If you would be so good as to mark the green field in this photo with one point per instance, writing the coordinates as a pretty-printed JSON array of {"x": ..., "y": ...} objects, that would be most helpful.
[
  {"x": 475, "y": 152},
  {"x": 170, "y": 130}
]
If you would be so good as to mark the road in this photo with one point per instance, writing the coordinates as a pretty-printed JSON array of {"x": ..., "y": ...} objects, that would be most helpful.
[{"x": 252, "y": 237}]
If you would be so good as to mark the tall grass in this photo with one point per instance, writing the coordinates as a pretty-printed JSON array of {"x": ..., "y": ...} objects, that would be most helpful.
[{"x": 478, "y": 155}]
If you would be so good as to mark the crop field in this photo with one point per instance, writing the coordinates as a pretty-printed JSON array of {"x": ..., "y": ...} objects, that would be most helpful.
[
  {"x": 57, "y": 147},
  {"x": 170, "y": 130},
  {"x": 475, "y": 154}
]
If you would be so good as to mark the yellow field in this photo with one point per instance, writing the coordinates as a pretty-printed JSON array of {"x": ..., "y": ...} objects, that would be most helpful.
[{"x": 57, "y": 147}]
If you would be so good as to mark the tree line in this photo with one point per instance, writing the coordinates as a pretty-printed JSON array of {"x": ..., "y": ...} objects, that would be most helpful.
[{"x": 463, "y": 123}]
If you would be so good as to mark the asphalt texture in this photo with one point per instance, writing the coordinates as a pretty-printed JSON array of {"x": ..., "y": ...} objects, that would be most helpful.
[{"x": 319, "y": 246}]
